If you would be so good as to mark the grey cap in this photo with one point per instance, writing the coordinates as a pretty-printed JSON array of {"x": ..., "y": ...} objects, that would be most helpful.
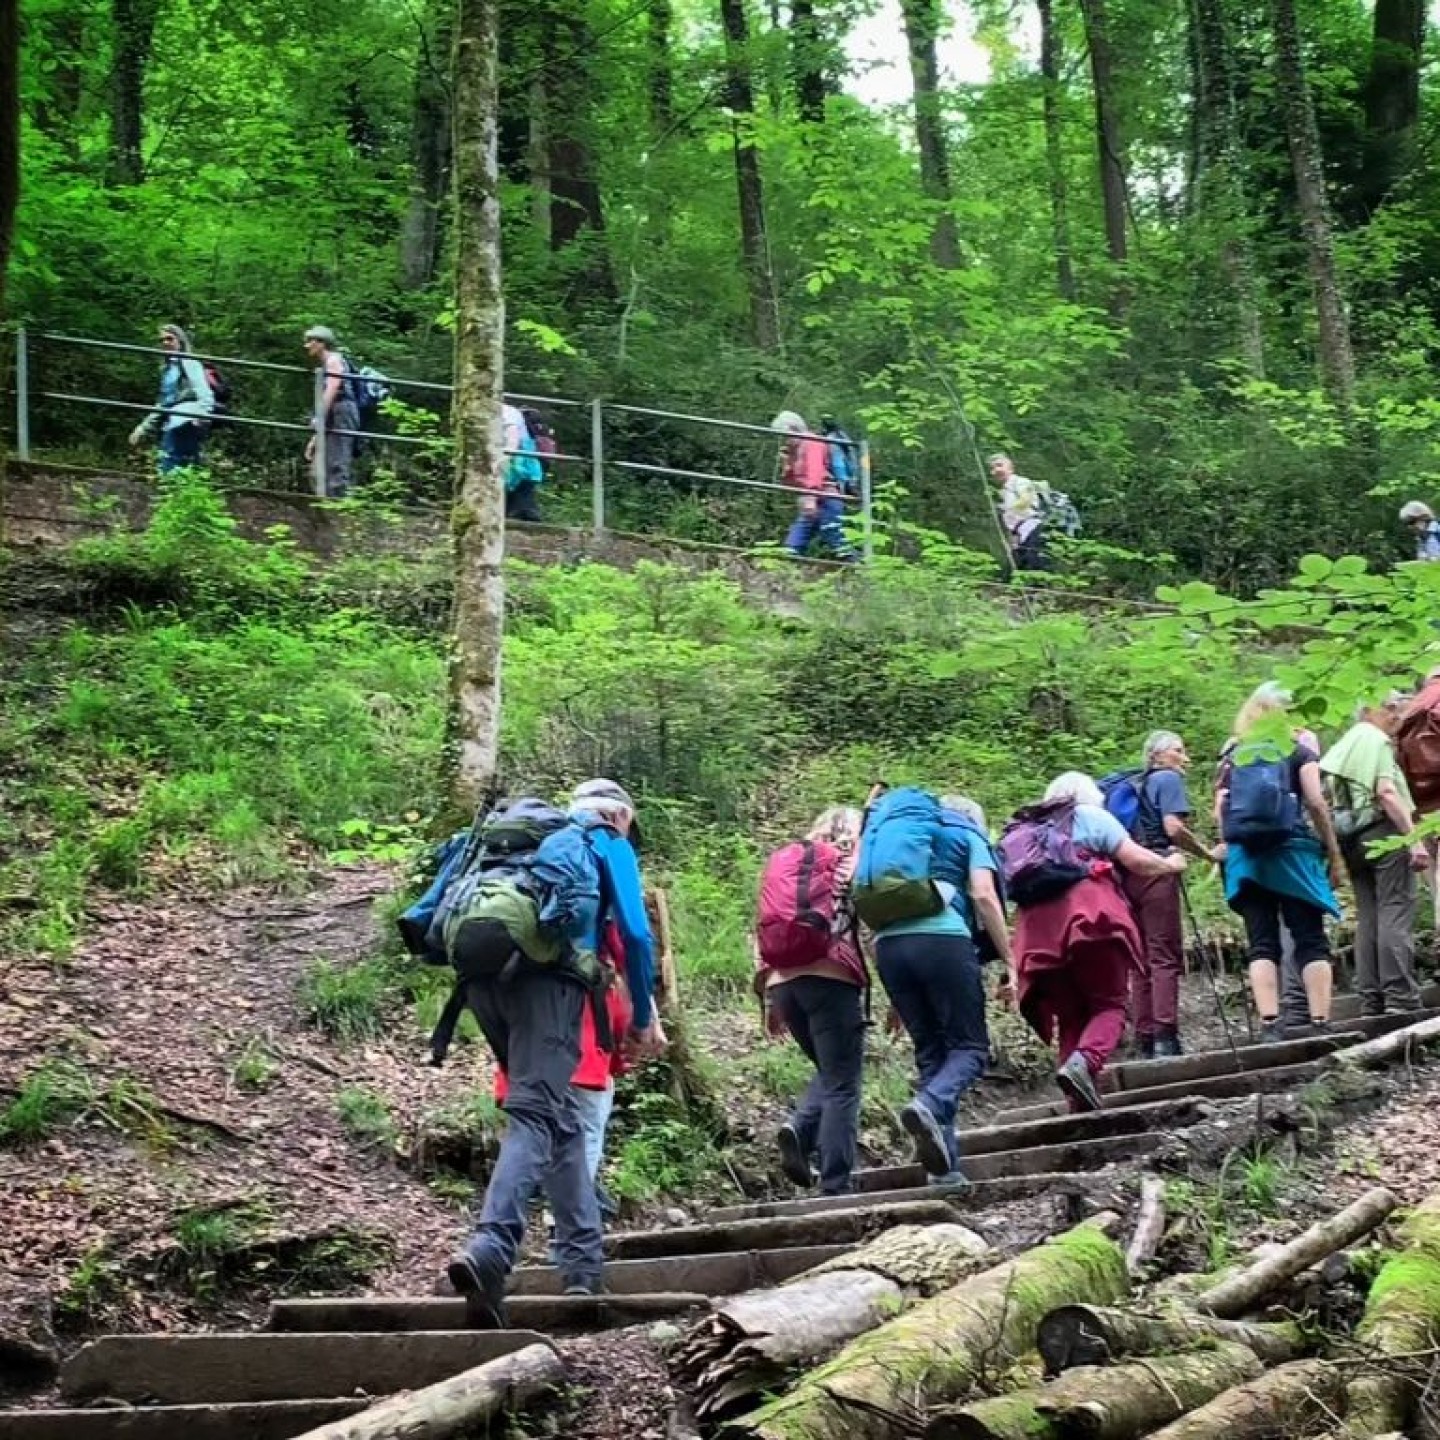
[
  {"x": 604, "y": 790},
  {"x": 323, "y": 333},
  {"x": 1416, "y": 510}
]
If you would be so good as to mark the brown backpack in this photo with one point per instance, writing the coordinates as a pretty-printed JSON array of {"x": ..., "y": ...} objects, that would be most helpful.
[{"x": 1417, "y": 745}]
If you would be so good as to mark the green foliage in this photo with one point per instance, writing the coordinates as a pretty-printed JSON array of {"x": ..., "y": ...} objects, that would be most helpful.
[
  {"x": 256, "y": 1067},
  {"x": 366, "y": 1117},
  {"x": 91, "y": 1291},
  {"x": 656, "y": 1151},
  {"x": 49, "y": 1098},
  {"x": 347, "y": 1002}
]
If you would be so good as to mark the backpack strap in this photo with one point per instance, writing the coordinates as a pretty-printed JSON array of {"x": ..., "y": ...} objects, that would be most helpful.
[{"x": 443, "y": 1034}]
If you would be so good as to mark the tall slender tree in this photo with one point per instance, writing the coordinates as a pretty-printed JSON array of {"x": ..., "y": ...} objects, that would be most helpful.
[
  {"x": 479, "y": 517},
  {"x": 1392, "y": 96},
  {"x": 9, "y": 132},
  {"x": 1109, "y": 138},
  {"x": 1336, "y": 356},
  {"x": 134, "y": 25},
  {"x": 807, "y": 61},
  {"x": 1050, "y": 56},
  {"x": 754, "y": 242},
  {"x": 660, "y": 22},
  {"x": 922, "y": 31},
  {"x": 430, "y": 144}
]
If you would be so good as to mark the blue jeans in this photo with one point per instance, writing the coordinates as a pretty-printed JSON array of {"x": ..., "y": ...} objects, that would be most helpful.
[
  {"x": 826, "y": 523},
  {"x": 180, "y": 446},
  {"x": 595, "y": 1107},
  {"x": 533, "y": 1025},
  {"x": 828, "y": 1022},
  {"x": 937, "y": 987}
]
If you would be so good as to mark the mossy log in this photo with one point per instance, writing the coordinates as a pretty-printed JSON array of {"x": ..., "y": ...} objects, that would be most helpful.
[
  {"x": 1242, "y": 1292},
  {"x": 1149, "y": 1226},
  {"x": 955, "y": 1344},
  {"x": 1120, "y": 1402},
  {"x": 749, "y": 1343},
  {"x": 1402, "y": 1318},
  {"x": 1281, "y": 1402},
  {"x": 1094, "y": 1335}
]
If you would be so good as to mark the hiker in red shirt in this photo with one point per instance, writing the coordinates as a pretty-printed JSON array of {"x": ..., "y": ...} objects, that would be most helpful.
[{"x": 805, "y": 466}]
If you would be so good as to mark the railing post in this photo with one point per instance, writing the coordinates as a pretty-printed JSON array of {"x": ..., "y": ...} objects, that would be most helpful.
[
  {"x": 597, "y": 465},
  {"x": 320, "y": 472},
  {"x": 22, "y": 393},
  {"x": 867, "y": 513}
]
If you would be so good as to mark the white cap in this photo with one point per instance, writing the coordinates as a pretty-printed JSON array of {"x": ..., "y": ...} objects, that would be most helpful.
[{"x": 1416, "y": 510}]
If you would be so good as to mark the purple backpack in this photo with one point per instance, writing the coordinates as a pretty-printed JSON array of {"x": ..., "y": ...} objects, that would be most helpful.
[{"x": 1038, "y": 855}]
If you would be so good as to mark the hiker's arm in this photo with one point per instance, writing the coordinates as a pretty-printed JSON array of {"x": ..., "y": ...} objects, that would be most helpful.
[
  {"x": 1312, "y": 793},
  {"x": 334, "y": 382},
  {"x": 1388, "y": 798},
  {"x": 628, "y": 901},
  {"x": 990, "y": 912},
  {"x": 1182, "y": 837},
  {"x": 1140, "y": 861}
]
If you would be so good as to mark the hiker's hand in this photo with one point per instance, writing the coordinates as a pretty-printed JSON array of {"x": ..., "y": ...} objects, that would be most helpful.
[
  {"x": 1177, "y": 862},
  {"x": 136, "y": 436},
  {"x": 1219, "y": 852},
  {"x": 808, "y": 506},
  {"x": 1337, "y": 872},
  {"x": 894, "y": 1025},
  {"x": 1419, "y": 858},
  {"x": 648, "y": 1043},
  {"x": 310, "y": 450},
  {"x": 1006, "y": 991},
  {"x": 775, "y": 1026}
]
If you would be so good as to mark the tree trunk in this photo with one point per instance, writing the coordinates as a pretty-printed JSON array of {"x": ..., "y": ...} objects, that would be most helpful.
[
  {"x": 467, "y": 1402},
  {"x": 1337, "y": 359},
  {"x": 1149, "y": 1226},
  {"x": 9, "y": 133},
  {"x": 1055, "y": 147},
  {"x": 134, "y": 23},
  {"x": 1397, "y": 1045},
  {"x": 1242, "y": 1292},
  {"x": 660, "y": 17},
  {"x": 1220, "y": 188},
  {"x": 754, "y": 242},
  {"x": 479, "y": 517},
  {"x": 1402, "y": 1317},
  {"x": 922, "y": 30},
  {"x": 1392, "y": 96},
  {"x": 807, "y": 61},
  {"x": 56, "y": 104},
  {"x": 1121, "y": 1402},
  {"x": 430, "y": 139},
  {"x": 749, "y": 1343},
  {"x": 964, "y": 1338},
  {"x": 1108, "y": 137},
  {"x": 1280, "y": 1402},
  {"x": 1092, "y": 1335}
]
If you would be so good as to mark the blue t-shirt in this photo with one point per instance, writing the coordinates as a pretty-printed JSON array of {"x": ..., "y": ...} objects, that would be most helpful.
[
  {"x": 1162, "y": 794},
  {"x": 959, "y": 853},
  {"x": 1097, "y": 830}
]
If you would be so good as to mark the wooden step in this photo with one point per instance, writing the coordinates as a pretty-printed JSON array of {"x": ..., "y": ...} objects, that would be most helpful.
[
  {"x": 1202, "y": 1064},
  {"x": 1060, "y": 1126},
  {"x": 267, "y": 1420},
  {"x": 724, "y": 1274},
  {"x": 195, "y": 1369},
  {"x": 1347, "y": 1007},
  {"x": 554, "y": 1314}
]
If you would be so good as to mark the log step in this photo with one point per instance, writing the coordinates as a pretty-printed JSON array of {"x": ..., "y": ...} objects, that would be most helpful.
[
  {"x": 269, "y": 1420},
  {"x": 554, "y": 1314},
  {"x": 1061, "y": 1126},
  {"x": 1146, "y": 1074},
  {"x": 852, "y": 1225},
  {"x": 729, "y": 1273},
  {"x": 1347, "y": 1007},
  {"x": 194, "y": 1369}
]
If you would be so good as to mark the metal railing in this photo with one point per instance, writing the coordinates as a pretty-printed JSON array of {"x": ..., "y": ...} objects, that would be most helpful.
[{"x": 597, "y": 459}]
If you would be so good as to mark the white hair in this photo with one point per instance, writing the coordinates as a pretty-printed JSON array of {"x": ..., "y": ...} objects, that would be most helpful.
[
  {"x": 964, "y": 805},
  {"x": 1157, "y": 742},
  {"x": 1077, "y": 786},
  {"x": 839, "y": 825},
  {"x": 787, "y": 422}
]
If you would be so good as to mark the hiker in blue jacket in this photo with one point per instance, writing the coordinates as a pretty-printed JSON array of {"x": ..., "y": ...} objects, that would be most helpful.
[
  {"x": 183, "y": 407},
  {"x": 534, "y": 1022}
]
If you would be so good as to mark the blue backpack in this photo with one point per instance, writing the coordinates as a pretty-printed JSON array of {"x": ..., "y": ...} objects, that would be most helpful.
[
  {"x": 841, "y": 455},
  {"x": 1123, "y": 791},
  {"x": 1261, "y": 810},
  {"x": 894, "y": 874},
  {"x": 449, "y": 859}
]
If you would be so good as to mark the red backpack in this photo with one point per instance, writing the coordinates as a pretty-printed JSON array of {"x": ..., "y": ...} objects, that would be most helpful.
[
  {"x": 1417, "y": 746},
  {"x": 795, "y": 918}
]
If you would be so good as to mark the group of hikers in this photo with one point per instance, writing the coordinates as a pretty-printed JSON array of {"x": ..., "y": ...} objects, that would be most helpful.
[{"x": 1078, "y": 902}]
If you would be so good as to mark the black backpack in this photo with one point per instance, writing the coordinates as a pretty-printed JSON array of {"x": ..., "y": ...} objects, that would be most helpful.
[{"x": 222, "y": 391}]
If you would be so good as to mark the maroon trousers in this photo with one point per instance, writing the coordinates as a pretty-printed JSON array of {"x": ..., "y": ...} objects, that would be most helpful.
[
  {"x": 1082, "y": 1006},
  {"x": 1155, "y": 983}
]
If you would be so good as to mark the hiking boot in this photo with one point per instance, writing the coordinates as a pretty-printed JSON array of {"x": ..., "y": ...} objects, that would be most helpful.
[
  {"x": 1272, "y": 1032},
  {"x": 1167, "y": 1045},
  {"x": 1318, "y": 1029},
  {"x": 1144, "y": 1047},
  {"x": 793, "y": 1159},
  {"x": 483, "y": 1289},
  {"x": 1078, "y": 1084},
  {"x": 609, "y": 1207},
  {"x": 955, "y": 1180},
  {"x": 924, "y": 1129},
  {"x": 591, "y": 1288}
]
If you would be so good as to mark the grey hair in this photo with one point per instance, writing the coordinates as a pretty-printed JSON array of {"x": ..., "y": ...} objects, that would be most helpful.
[
  {"x": 1077, "y": 786},
  {"x": 788, "y": 422},
  {"x": 998, "y": 455},
  {"x": 840, "y": 824},
  {"x": 1157, "y": 742},
  {"x": 1393, "y": 700},
  {"x": 964, "y": 805},
  {"x": 181, "y": 338}
]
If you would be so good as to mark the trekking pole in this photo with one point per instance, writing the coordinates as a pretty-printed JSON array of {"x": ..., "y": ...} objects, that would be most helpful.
[{"x": 1209, "y": 971}]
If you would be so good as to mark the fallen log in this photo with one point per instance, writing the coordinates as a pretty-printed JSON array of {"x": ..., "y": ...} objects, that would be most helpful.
[
  {"x": 747, "y": 1344},
  {"x": 1094, "y": 1335},
  {"x": 455, "y": 1407},
  {"x": 1149, "y": 1226},
  {"x": 957, "y": 1342},
  {"x": 1238, "y": 1293},
  {"x": 1121, "y": 1402},
  {"x": 1383, "y": 1049},
  {"x": 1281, "y": 1402},
  {"x": 1402, "y": 1318}
]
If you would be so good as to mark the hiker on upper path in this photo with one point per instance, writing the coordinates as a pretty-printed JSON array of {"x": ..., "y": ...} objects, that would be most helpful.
[
  {"x": 1022, "y": 513},
  {"x": 915, "y": 858},
  {"x": 811, "y": 976},
  {"x": 1155, "y": 809},
  {"x": 183, "y": 407},
  {"x": 532, "y": 1016},
  {"x": 805, "y": 466},
  {"x": 523, "y": 470},
  {"x": 1424, "y": 527},
  {"x": 842, "y": 456},
  {"x": 338, "y": 414},
  {"x": 1371, "y": 801},
  {"x": 1076, "y": 940},
  {"x": 1275, "y": 863}
]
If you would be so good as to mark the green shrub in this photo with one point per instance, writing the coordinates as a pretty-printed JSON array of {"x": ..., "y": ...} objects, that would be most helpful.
[
  {"x": 347, "y": 1002},
  {"x": 366, "y": 1117},
  {"x": 49, "y": 1098}
]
